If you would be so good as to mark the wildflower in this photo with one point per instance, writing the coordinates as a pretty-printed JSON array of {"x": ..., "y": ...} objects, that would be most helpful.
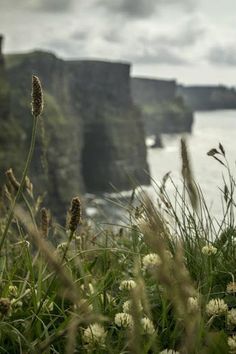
[
  {"x": 127, "y": 306},
  {"x": 168, "y": 255},
  {"x": 37, "y": 97},
  {"x": 12, "y": 290},
  {"x": 107, "y": 298},
  {"x": 169, "y": 351},
  {"x": 12, "y": 179},
  {"x": 209, "y": 250},
  {"x": 88, "y": 288},
  {"x": 27, "y": 294},
  {"x": 62, "y": 246},
  {"x": 150, "y": 261},
  {"x": 75, "y": 214},
  {"x": 17, "y": 304},
  {"x": 231, "y": 317},
  {"x": 5, "y": 306},
  {"x": 147, "y": 326},
  {"x": 85, "y": 304},
  {"x": 216, "y": 307},
  {"x": 124, "y": 320},
  {"x": 192, "y": 304},
  {"x": 48, "y": 305},
  {"x": 127, "y": 284},
  {"x": 23, "y": 243},
  {"x": 232, "y": 342},
  {"x": 231, "y": 287},
  {"x": 95, "y": 334}
]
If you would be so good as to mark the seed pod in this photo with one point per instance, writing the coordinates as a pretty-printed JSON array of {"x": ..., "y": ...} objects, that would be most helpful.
[
  {"x": 12, "y": 179},
  {"x": 75, "y": 214},
  {"x": 6, "y": 196},
  {"x": 44, "y": 222},
  {"x": 37, "y": 97},
  {"x": 5, "y": 306}
]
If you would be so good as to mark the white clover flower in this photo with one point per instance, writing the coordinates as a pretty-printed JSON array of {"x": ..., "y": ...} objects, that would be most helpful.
[
  {"x": 89, "y": 288},
  {"x": 95, "y": 334},
  {"x": 84, "y": 302},
  {"x": 147, "y": 325},
  {"x": 47, "y": 305},
  {"x": 127, "y": 284},
  {"x": 13, "y": 290},
  {"x": 150, "y": 261},
  {"x": 231, "y": 287},
  {"x": 168, "y": 255},
  {"x": 231, "y": 317},
  {"x": 27, "y": 294},
  {"x": 23, "y": 243},
  {"x": 192, "y": 304},
  {"x": 209, "y": 250},
  {"x": 169, "y": 351},
  {"x": 216, "y": 307},
  {"x": 124, "y": 320},
  {"x": 17, "y": 304},
  {"x": 107, "y": 298},
  {"x": 232, "y": 342},
  {"x": 62, "y": 246},
  {"x": 127, "y": 306}
]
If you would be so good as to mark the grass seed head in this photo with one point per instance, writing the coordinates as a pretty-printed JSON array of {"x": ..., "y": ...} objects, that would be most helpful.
[
  {"x": 44, "y": 222},
  {"x": 12, "y": 179},
  {"x": 37, "y": 97},
  {"x": 5, "y": 306},
  {"x": 75, "y": 214}
]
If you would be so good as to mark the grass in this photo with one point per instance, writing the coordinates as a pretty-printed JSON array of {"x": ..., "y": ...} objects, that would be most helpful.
[{"x": 164, "y": 282}]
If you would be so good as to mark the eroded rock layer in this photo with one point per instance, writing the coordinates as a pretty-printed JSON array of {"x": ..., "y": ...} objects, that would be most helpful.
[{"x": 91, "y": 135}]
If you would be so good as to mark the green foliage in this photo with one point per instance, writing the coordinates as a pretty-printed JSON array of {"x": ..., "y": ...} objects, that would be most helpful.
[
  {"x": 189, "y": 260},
  {"x": 166, "y": 280}
]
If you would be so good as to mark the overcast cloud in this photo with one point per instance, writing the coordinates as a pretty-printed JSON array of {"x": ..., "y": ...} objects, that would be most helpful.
[
  {"x": 167, "y": 38},
  {"x": 223, "y": 55}
]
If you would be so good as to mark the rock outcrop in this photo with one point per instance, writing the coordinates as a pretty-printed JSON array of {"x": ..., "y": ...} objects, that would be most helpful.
[
  {"x": 114, "y": 150},
  {"x": 91, "y": 134},
  {"x": 163, "y": 110},
  {"x": 208, "y": 97}
]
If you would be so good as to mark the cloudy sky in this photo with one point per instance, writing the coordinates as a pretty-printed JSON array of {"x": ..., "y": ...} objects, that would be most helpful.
[{"x": 193, "y": 41}]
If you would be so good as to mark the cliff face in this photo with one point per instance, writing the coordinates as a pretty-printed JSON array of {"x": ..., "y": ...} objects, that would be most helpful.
[
  {"x": 163, "y": 111},
  {"x": 152, "y": 91},
  {"x": 91, "y": 134},
  {"x": 8, "y": 135},
  {"x": 56, "y": 166},
  {"x": 114, "y": 148},
  {"x": 208, "y": 97}
]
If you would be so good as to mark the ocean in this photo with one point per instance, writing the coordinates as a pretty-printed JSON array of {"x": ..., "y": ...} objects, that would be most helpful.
[{"x": 210, "y": 128}]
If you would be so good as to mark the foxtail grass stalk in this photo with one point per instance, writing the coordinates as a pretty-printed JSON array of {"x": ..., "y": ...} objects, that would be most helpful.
[
  {"x": 75, "y": 220},
  {"x": 20, "y": 189},
  {"x": 37, "y": 108}
]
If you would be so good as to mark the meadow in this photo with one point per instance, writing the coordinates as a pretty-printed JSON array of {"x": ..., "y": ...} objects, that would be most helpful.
[{"x": 164, "y": 283}]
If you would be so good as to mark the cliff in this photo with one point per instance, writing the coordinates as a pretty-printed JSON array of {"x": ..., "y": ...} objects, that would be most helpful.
[
  {"x": 208, "y": 97},
  {"x": 8, "y": 135},
  {"x": 56, "y": 167},
  {"x": 91, "y": 136},
  {"x": 114, "y": 144},
  {"x": 163, "y": 110}
]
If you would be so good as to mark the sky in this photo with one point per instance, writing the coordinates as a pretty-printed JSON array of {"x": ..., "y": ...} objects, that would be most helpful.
[{"x": 191, "y": 41}]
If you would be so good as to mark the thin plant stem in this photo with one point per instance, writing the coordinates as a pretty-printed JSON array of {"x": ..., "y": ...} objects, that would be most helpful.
[
  {"x": 54, "y": 277},
  {"x": 26, "y": 168}
]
